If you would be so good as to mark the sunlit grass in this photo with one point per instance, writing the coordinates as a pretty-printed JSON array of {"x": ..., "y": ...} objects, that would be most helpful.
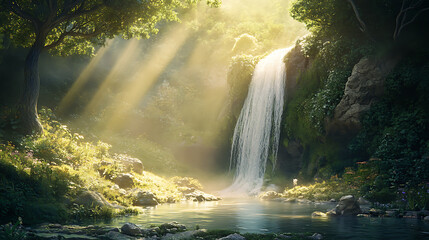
[{"x": 61, "y": 164}]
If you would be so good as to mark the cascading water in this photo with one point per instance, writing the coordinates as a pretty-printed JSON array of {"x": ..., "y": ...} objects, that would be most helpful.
[{"x": 257, "y": 132}]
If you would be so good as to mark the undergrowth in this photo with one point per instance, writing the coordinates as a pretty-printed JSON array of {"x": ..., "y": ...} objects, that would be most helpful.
[{"x": 41, "y": 176}]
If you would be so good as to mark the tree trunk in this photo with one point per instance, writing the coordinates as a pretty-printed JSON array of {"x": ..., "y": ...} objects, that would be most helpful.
[{"x": 27, "y": 106}]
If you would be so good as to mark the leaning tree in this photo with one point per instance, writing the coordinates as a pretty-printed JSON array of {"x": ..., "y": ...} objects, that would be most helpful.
[{"x": 67, "y": 27}]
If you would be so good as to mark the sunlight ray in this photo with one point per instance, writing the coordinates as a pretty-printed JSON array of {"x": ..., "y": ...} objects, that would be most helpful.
[
  {"x": 150, "y": 69},
  {"x": 126, "y": 57},
  {"x": 83, "y": 78}
]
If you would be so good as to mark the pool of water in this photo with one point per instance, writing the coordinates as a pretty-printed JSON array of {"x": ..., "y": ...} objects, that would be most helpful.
[{"x": 255, "y": 216}]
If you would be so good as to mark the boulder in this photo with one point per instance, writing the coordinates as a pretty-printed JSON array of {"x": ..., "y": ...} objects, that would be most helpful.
[
  {"x": 363, "y": 201},
  {"x": 113, "y": 235},
  {"x": 54, "y": 236},
  {"x": 186, "y": 190},
  {"x": 426, "y": 218},
  {"x": 131, "y": 229},
  {"x": 318, "y": 214},
  {"x": 199, "y": 196},
  {"x": 124, "y": 180},
  {"x": 145, "y": 198},
  {"x": 347, "y": 206},
  {"x": 375, "y": 212},
  {"x": 130, "y": 164},
  {"x": 172, "y": 227},
  {"x": 270, "y": 195},
  {"x": 391, "y": 213},
  {"x": 363, "y": 88},
  {"x": 296, "y": 63},
  {"x": 316, "y": 236},
  {"x": 92, "y": 199},
  {"x": 183, "y": 235},
  {"x": 234, "y": 236}
]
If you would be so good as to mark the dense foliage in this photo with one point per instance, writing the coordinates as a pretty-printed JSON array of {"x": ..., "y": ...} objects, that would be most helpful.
[
  {"x": 42, "y": 176},
  {"x": 74, "y": 27},
  {"x": 392, "y": 145}
]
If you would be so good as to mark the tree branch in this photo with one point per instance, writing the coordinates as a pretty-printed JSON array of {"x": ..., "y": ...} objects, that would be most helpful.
[
  {"x": 72, "y": 34},
  {"x": 401, "y": 18},
  {"x": 67, "y": 15},
  {"x": 16, "y": 9},
  {"x": 412, "y": 20},
  {"x": 361, "y": 22}
]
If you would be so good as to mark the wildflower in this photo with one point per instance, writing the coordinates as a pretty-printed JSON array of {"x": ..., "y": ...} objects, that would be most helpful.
[{"x": 295, "y": 182}]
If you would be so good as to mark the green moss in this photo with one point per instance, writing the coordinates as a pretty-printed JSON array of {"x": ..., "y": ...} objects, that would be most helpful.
[
  {"x": 42, "y": 175},
  {"x": 240, "y": 74}
]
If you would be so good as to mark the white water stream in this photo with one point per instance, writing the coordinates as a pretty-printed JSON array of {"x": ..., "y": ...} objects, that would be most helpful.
[{"x": 257, "y": 132}]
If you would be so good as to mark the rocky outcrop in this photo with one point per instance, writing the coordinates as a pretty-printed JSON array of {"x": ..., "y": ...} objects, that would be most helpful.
[
  {"x": 145, "y": 198},
  {"x": 92, "y": 199},
  {"x": 199, "y": 196},
  {"x": 124, "y": 180},
  {"x": 291, "y": 153},
  {"x": 131, "y": 229},
  {"x": 318, "y": 214},
  {"x": 172, "y": 227},
  {"x": 270, "y": 195},
  {"x": 130, "y": 164},
  {"x": 363, "y": 88},
  {"x": 347, "y": 206},
  {"x": 296, "y": 63},
  {"x": 234, "y": 236}
]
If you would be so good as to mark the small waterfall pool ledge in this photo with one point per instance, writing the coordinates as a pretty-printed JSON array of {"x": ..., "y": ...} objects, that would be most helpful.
[{"x": 257, "y": 132}]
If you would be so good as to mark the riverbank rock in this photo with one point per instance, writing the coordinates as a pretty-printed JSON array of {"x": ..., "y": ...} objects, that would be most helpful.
[
  {"x": 234, "y": 236},
  {"x": 112, "y": 235},
  {"x": 270, "y": 195},
  {"x": 363, "y": 201},
  {"x": 363, "y": 88},
  {"x": 129, "y": 163},
  {"x": 131, "y": 229},
  {"x": 375, "y": 212},
  {"x": 391, "y": 213},
  {"x": 316, "y": 236},
  {"x": 347, "y": 206},
  {"x": 172, "y": 227},
  {"x": 55, "y": 236},
  {"x": 145, "y": 198},
  {"x": 92, "y": 199},
  {"x": 318, "y": 214},
  {"x": 124, "y": 180},
  {"x": 199, "y": 196},
  {"x": 183, "y": 235},
  {"x": 296, "y": 63}
]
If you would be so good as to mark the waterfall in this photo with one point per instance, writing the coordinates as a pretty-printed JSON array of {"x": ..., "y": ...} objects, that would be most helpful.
[{"x": 257, "y": 132}]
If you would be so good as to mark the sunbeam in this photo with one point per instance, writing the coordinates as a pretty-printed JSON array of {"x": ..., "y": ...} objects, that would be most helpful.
[
  {"x": 82, "y": 79},
  {"x": 146, "y": 75},
  {"x": 125, "y": 58}
]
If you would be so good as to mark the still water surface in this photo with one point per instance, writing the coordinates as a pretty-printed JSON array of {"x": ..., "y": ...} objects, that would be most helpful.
[{"x": 255, "y": 216}]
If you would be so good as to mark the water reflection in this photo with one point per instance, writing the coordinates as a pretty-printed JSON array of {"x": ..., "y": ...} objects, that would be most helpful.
[{"x": 251, "y": 215}]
